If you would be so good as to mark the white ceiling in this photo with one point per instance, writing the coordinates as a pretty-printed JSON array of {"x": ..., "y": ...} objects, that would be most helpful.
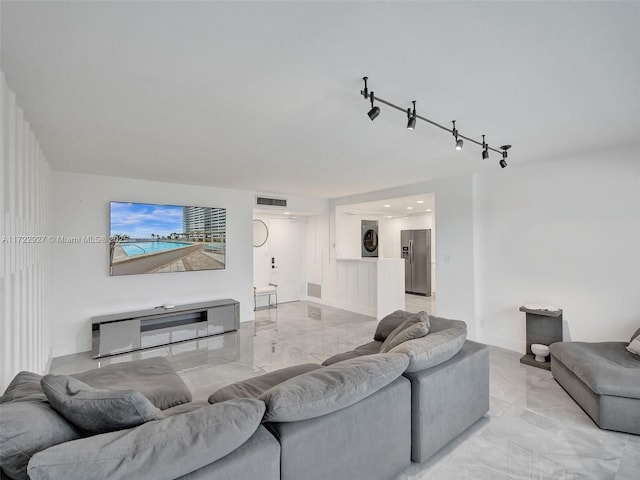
[
  {"x": 265, "y": 96},
  {"x": 394, "y": 207}
]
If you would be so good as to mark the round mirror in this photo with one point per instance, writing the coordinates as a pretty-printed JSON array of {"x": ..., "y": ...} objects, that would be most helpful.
[{"x": 260, "y": 233}]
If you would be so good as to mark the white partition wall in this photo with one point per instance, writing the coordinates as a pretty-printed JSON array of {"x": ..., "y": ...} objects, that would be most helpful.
[
  {"x": 372, "y": 287},
  {"x": 25, "y": 339}
]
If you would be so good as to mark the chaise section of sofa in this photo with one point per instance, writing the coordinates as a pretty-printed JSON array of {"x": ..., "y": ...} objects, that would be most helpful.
[{"x": 603, "y": 378}]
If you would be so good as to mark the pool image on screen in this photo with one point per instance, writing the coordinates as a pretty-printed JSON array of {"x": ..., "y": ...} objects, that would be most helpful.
[{"x": 150, "y": 238}]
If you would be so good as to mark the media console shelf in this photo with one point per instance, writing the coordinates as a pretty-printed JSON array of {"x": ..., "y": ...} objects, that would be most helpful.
[{"x": 130, "y": 331}]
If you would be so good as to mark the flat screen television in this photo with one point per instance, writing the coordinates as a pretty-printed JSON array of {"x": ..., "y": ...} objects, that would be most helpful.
[{"x": 150, "y": 238}]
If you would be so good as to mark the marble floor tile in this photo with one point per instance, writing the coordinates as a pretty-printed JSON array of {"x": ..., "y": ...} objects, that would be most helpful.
[{"x": 533, "y": 431}]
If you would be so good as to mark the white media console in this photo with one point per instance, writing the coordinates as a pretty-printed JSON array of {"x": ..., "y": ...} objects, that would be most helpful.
[{"x": 129, "y": 331}]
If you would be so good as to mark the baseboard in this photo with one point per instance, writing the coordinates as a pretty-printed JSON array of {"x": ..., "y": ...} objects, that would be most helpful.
[
  {"x": 343, "y": 306},
  {"x": 500, "y": 341}
]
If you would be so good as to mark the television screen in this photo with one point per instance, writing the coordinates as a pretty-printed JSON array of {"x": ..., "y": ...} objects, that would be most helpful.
[{"x": 147, "y": 238}]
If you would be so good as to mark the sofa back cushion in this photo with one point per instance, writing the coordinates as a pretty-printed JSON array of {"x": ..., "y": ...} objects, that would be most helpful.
[
  {"x": 27, "y": 427},
  {"x": 435, "y": 348},
  {"x": 416, "y": 326},
  {"x": 256, "y": 386},
  {"x": 97, "y": 410},
  {"x": 331, "y": 388},
  {"x": 168, "y": 448}
]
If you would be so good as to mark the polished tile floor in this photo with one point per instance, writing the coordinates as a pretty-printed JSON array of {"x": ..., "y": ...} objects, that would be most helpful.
[{"x": 533, "y": 430}]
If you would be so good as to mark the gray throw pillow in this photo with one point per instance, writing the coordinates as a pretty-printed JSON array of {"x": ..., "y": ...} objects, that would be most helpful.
[
  {"x": 28, "y": 427},
  {"x": 634, "y": 346},
  {"x": 256, "y": 386},
  {"x": 97, "y": 411},
  {"x": 168, "y": 448},
  {"x": 331, "y": 388},
  {"x": 24, "y": 386},
  {"x": 389, "y": 323},
  {"x": 154, "y": 377},
  {"x": 635, "y": 335},
  {"x": 408, "y": 330}
]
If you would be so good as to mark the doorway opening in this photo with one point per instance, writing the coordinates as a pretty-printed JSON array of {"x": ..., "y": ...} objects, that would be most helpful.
[{"x": 414, "y": 213}]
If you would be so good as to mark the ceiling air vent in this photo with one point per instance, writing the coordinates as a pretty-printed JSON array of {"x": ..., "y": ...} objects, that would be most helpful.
[{"x": 272, "y": 202}]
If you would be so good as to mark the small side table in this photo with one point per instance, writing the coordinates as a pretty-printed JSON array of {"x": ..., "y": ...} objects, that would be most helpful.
[{"x": 543, "y": 327}]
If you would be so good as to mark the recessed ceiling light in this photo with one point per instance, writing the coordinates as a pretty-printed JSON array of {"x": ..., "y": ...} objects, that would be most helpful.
[
  {"x": 409, "y": 208},
  {"x": 387, "y": 206},
  {"x": 428, "y": 210},
  {"x": 388, "y": 216},
  {"x": 287, "y": 213},
  {"x": 420, "y": 201}
]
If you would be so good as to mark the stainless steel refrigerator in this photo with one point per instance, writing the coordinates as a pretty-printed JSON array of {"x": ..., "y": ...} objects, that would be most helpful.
[{"x": 416, "y": 251}]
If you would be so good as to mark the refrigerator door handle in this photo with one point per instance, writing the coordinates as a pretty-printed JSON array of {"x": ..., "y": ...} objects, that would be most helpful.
[{"x": 411, "y": 252}]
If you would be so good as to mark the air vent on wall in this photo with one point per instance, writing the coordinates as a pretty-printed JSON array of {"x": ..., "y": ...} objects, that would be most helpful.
[{"x": 272, "y": 202}]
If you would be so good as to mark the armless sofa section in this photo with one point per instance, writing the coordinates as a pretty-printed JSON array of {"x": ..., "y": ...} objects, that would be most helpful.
[{"x": 603, "y": 378}]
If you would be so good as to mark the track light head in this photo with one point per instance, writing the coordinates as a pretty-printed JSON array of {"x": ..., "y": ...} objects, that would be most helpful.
[
  {"x": 503, "y": 162},
  {"x": 411, "y": 124},
  {"x": 459, "y": 141},
  {"x": 485, "y": 149},
  {"x": 375, "y": 111}
]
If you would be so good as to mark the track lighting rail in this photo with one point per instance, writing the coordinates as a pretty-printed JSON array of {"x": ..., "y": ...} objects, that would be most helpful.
[{"x": 453, "y": 131}]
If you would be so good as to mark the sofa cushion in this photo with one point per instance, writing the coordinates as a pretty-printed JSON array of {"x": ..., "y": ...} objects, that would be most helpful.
[
  {"x": 154, "y": 377},
  {"x": 167, "y": 448},
  {"x": 389, "y": 323},
  {"x": 416, "y": 326},
  {"x": 27, "y": 427},
  {"x": 635, "y": 335},
  {"x": 436, "y": 347},
  {"x": 256, "y": 386},
  {"x": 331, "y": 388},
  {"x": 607, "y": 368},
  {"x": 366, "y": 349},
  {"x": 96, "y": 410},
  {"x": 24, "y": 386}
]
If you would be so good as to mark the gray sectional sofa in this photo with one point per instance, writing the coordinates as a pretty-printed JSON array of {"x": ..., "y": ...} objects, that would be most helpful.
[
  {"x": 603, "y": 378},
  {"x": 362, "y": 415}
]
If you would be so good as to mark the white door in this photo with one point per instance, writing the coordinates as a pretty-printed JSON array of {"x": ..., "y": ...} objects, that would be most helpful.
[{"x": 286, "y": 238}]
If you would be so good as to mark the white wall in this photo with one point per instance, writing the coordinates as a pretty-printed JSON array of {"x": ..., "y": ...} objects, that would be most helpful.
[
  {"x": 25, "y": 333},
  {"x": 82, "y": 287},
  {"x": 563, "y": 232}
]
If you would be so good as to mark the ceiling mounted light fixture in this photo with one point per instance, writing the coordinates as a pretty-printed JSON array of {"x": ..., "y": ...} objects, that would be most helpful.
[
  {"x": 413, "y": 117},
  {"x": 459, "y": 141},
  {"x": 411, "y": 124},
  {"x": 485, "y": 149}
]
